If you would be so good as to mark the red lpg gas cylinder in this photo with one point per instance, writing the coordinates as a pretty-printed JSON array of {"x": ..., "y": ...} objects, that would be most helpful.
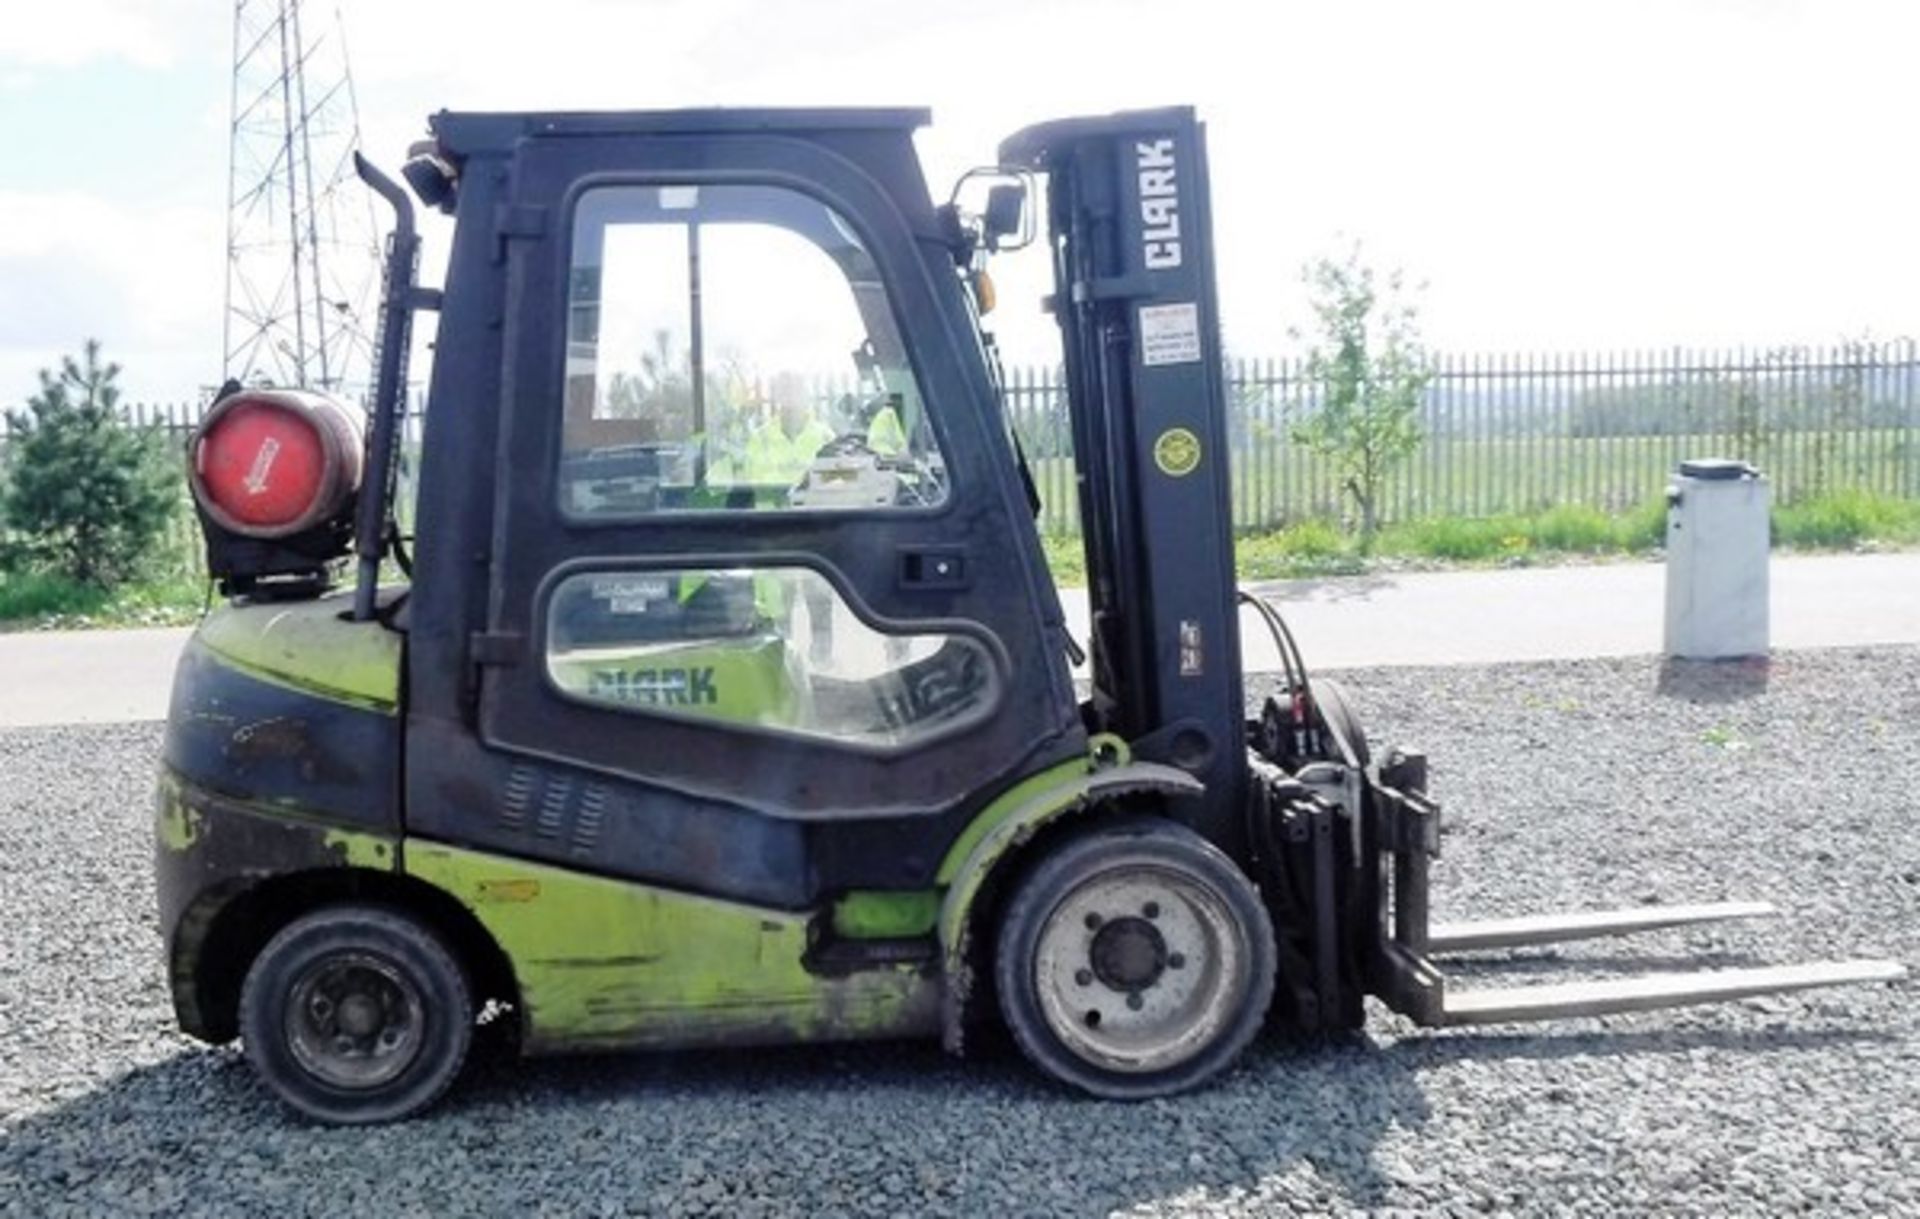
[{"x": 269, "y": 463}]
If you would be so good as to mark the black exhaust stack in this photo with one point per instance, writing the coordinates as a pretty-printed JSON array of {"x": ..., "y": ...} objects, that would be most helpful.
[{"x": 399, "y": 297}]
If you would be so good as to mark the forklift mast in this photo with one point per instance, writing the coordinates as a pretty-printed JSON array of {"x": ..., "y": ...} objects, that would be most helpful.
[{"x": 1132, "y": 246}]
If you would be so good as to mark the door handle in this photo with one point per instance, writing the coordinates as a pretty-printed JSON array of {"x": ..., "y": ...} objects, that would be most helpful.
[{"x": 934, "y": 567}]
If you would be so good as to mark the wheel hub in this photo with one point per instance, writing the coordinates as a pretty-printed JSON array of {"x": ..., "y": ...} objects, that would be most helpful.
[
  {"x": 359, "y": 1015},
  {"x": 355, "y": 1021},
  {"x": 1138, "y": 966},
  {"x": 1129, "y": 954}
]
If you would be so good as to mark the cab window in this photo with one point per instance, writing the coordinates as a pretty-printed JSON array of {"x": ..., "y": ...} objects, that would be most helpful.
[
  {"x": 732, "y": 348},
  {"x": 772, "y": 647}
]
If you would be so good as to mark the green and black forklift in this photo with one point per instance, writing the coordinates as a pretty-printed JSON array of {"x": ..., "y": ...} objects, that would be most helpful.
[{"x": 653, "y": 748}]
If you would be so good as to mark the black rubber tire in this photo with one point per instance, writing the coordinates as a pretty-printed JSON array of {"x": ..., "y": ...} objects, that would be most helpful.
[
  {"x": 1070, "y": 864},
  {"x": 401, "y": 941}
]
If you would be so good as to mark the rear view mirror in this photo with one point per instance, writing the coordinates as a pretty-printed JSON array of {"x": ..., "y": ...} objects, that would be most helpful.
[
  {"x": 1001, "y": 221},
  {"x": 1006, "y": 213}
]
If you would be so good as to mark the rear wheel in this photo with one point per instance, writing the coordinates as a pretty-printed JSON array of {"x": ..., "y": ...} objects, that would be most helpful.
[
  {"x": 356, "y": 1014},
  {"x": 1135, "y": 961}
]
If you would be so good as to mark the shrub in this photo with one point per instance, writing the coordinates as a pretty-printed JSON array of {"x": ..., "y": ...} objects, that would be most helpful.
[{"x": 86, "y": 495}]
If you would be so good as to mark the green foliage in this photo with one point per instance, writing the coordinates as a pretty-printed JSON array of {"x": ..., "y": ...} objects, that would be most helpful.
[
  {"x": 1370, "y": 369},
  {"x": 1575, "y": 529},
  {"x": 1066, "y": 559},
  {"x": 1846, "y": 518},
  {"x": 1567, "y": 529},
  {"x": 1458, "y": 539},
  {"x": 86, "y": 495},
  {"x": 1310, "y": 548},
  {"x": 1316, "y": 548},
  {"x": 38, "y": 594},
  {"x": 1644, "y": 528},
  {"x": 1309, "y": 540},
  {"x": 49, "y": 601}
]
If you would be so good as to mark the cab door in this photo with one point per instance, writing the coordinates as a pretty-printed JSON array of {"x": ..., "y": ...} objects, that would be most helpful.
[{"x": 761, "y": 540}]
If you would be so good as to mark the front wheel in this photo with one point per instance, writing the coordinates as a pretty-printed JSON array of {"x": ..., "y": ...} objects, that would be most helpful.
[
  {"x": 1135, "y": 961},
  {"x": 356, "y": 1014}
]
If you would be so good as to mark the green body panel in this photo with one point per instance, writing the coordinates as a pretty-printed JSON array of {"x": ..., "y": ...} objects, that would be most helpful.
[
  {"x": 1012, "y": 824},
  {"x": 176, "y": 825},
  {"x": 1023, "y": 796},
  {"x": 875, "y": 914},
  {"x": 604, "y": 963},
  {"x": 308, "y": 646},
  {"x": 751, "y": 680}
]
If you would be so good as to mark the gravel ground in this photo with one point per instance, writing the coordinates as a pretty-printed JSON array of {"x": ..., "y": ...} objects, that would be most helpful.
[{"x": 1568, "y": 785}]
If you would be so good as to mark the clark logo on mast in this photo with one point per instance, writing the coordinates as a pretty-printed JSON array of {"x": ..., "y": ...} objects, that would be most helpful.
[{"x": 1159, "y": 204}]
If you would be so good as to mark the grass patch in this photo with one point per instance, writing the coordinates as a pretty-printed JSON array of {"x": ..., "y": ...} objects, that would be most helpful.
[
  {"x": 1843, "y": 519},
  {"x": 1457, "y": 539},
  {"x": 1310, "y": 548},
  {"x": 1316, "y": 548},
  {"x": 30, "y": 595},
  {"x": 1574, "y": 529},
  {"x": 45, "y": 601}
]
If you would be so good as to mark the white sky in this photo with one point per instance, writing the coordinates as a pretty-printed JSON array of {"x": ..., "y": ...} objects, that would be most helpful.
[{"x": 1570, "y": 174}]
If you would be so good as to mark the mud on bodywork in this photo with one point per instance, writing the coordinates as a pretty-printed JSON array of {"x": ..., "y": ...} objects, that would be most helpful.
[
  {"x": 606, "y": 964},
  {"x": 1030, "y": 807},
  {"x": 288, "y": 706},
  {"x": 211, "y": 851},
  {"x": 281, "y": 760}
]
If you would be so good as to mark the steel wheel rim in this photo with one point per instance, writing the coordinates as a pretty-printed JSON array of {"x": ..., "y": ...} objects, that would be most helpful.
[
  {"x": 1140, "y": 968},
  {"x": 354, "y": 1020}
]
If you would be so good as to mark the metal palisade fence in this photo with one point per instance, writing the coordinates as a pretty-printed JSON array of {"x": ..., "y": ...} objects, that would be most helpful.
[
  {"x": 1500, "y": 433},
  {"x": 1527, "y": 431}
]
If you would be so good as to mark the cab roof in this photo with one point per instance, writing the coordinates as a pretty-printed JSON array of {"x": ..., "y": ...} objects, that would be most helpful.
[{"x": 464, "y": 132}]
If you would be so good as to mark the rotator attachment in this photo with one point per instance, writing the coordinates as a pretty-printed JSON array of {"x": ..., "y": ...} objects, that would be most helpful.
[{"x": 1408, "y": 977}]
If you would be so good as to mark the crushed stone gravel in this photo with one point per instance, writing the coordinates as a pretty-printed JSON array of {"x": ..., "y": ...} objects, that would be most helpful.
[{"x": 1567, "y": 785}]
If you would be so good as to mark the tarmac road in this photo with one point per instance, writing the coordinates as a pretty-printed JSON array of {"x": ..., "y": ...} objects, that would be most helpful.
[{"x": 1427, "y": 618}]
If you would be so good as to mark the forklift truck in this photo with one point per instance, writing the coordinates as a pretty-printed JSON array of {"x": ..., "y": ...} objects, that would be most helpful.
[{"x": 645, "y": 753}]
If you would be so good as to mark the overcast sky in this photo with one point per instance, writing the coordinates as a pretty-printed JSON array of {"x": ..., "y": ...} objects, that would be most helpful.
[{"x": 1568, "y": 174}]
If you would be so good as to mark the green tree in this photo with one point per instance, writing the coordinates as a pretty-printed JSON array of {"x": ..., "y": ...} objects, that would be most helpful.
[
  {"x": 1370, "y": 368},
  {"x": 86, "y": 494}
]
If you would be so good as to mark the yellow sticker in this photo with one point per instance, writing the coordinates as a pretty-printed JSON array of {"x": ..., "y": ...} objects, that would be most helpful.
[{"x": 1177, "y": 452}]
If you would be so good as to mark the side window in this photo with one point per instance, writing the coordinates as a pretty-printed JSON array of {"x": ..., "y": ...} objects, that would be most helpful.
[
  {"x": 733, "y": 348},
  {"x": 771, "y": 646}
]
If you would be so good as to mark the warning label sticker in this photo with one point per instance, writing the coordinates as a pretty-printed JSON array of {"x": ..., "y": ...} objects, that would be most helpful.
[{"x": 1170, "y": 334}]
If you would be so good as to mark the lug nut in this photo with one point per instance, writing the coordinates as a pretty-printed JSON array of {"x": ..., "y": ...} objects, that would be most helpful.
[
  {"x": 1093, "y": 921},
  {"x": 1176, "y": 961},
  {"x": 1151, "y": 910},
  {"x": 1135, "y": 1002},
  {"x": 1084, "y": 977}
]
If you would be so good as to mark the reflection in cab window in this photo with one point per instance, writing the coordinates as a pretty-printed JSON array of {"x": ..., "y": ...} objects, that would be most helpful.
[
  {"x": 734, "y": 347},
  {"x": 775, "y": 647}
]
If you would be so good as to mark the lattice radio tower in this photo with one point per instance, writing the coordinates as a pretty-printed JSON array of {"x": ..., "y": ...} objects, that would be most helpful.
[{"x": 303, "y": 251}]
